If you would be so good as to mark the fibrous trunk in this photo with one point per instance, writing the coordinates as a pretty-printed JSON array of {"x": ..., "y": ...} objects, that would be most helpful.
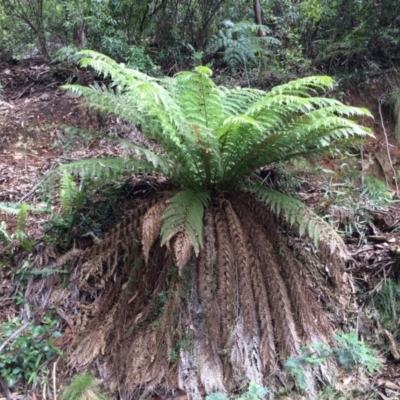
[{"x": 232, "y": 315}]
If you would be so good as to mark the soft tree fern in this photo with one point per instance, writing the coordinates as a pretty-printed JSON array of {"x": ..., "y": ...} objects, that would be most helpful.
[
  {"x": 246, "y": 289},
  {"x": 213, "y": 137}
]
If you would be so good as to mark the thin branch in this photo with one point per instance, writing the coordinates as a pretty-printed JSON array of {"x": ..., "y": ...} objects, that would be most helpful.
[
  {"x": 13, "y": 336},
  {"x": 387, "y": 145}
]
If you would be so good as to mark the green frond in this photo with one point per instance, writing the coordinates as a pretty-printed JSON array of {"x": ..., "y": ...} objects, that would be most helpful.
[
  {"x": 99, "y": 170},
  {"x": 310, "y": 85},
  {"x": 133, "y": 95},
  {"x": 200, "y": 98},
  {"x": 4, "y": 236},
  {"x": 70, "y": 196},
  {"x": 21, "y": 210},
  {"x": 299, "y": 215},
  {"x": 240, "y": 42},
  {"x": 159, "y": 162},
  {"x": 22, "y": 217},
  {"x": 238, "y": 99},
  {"x": 83, "y": 387},
  {"x": 184, "y": 214},
  {"x": 292, "y": 126},
  {"x": 15, "y": 208},
  {"x": 109, "y": 168},
  {"x": 11, "y": 208}
]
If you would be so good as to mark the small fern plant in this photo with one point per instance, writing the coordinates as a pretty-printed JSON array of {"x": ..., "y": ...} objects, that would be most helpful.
[
  {"x": 213, "y": 138},
  {"x": 21, "y": 210},
  {"x": 83, "y": 387}
]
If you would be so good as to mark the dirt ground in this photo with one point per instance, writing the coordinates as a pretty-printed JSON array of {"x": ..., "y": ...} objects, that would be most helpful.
[{"x": 32, "y": 143}]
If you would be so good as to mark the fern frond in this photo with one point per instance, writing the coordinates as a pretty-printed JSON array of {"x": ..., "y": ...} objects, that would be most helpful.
[
  {"x": 240, "y": 42},
  {"x": 199, "y": 97},
  {"x": 184, "y": 215},
  {"x": 159, "y": 162},
  {"x": 133, "y": 96},
  {"x": 83, "y": 387},
  {"x": 99, "y": 170},
  {"x": 310, "y": 85},
  {"x": 15, "y": 208},
  {"x": 299, "y": 215},
  {"x": 68, "y": 192},
  {"x": 22, "y": 217},
  {"x": 4, "y": 236}
]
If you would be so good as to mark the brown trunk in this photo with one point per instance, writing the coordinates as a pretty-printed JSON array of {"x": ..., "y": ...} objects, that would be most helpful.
[{"x": 257, "y": 16}]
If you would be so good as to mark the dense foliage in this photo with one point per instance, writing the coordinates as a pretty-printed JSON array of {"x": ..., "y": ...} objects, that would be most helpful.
[{"x": 338, "y": 36}]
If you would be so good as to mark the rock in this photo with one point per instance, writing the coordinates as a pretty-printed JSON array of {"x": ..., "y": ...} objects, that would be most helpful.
[
  {"x": 44, "y": 97},
  {"x": 71, "y": 94}
]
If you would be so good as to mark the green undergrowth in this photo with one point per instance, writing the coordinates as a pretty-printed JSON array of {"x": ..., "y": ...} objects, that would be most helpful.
[
  {"x": 350, "y": 353},
  {"x": 349, "y": 198},
  {"x": 254, "y": 392},
  {"x": 86, "y": 212},
  {"x": 26, "y": 347},
  {"x": 83, "y": 387},
  {"x": 386, "y": 299}
]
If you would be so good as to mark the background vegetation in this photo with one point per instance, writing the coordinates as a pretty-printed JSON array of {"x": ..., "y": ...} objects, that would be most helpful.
[{"x": 336, "y": 36}]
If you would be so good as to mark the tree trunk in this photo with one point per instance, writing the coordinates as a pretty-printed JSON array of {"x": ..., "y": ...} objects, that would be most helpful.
[{"x": 257, "y": 16}]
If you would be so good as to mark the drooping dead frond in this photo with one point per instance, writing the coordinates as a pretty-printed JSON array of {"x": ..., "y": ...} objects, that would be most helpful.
[
  {"x": 309, "y": 315},
  {"x": 151, "y": 227},
  {"x": 182, "y": 248},
  {"x": 241, "y": 248},
  {"x": 227, "y": 276},
  {"x": 333, "y": 250}
]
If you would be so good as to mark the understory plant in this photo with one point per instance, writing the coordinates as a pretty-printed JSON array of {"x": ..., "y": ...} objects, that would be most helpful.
[
  {"x": 83, "y": 387},
  {"x": 24, "y": 348},
  {"x": 254, "y": 392},
  {"x": 386, "y": 299},
  {"x": 21, "y": 210},
  {"x": 350, "y": 352},
  {"x": 213, "y": 222}
]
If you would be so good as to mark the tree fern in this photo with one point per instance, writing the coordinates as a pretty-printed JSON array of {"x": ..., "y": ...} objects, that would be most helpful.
[
  {"x": 253, "y": 299},
  {"x": 240, "y": 42},
  {"x": 212, "y": 136}
]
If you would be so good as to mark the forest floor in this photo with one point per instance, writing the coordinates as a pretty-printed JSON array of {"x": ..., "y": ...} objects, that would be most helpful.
[{"x": 32, "y": 144}]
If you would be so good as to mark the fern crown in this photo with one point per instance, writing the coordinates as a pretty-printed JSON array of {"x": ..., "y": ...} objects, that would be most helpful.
[
  {"x": 240, "y": 42},
  {"x": 212, "y": 137}
]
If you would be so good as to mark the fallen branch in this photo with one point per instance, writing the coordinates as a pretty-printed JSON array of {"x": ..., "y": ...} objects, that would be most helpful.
[
  {"x": 392, "y": 345},
  {"x": 388, "y": 146},
  {"x": 13, "y": 336}
]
